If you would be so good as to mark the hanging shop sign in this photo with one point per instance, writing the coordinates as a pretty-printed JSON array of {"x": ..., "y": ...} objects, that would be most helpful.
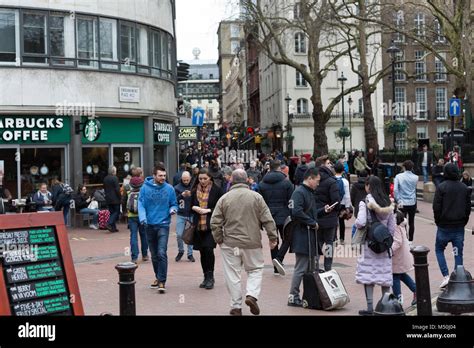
[
  {"x": 187, "y": 133},
  {"x": 33, "y": 130},
  {"x": 162, "y": 133}
]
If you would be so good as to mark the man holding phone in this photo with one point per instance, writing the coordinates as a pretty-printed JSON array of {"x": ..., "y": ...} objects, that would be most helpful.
[
  {"x": 183, "y": 196},
  {"x": 305, "y": 213},
  {"x": 327, "y": 194}
]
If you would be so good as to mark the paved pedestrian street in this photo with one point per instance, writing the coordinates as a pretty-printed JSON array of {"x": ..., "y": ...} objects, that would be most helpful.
[{"x": 96, "y": 253}]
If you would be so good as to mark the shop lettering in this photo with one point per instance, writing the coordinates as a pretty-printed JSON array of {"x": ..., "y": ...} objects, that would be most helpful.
[
  {"x": 163, "y": 137},
  {"x": 23, "y": 129},
  {"x": 163, "y": 127}
]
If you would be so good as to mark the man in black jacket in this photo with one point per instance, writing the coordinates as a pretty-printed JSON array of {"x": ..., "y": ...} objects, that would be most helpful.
[
  {"x": 305, "y": 214},
  {"x": 183, "y": 196},
  {"x": 451, "y": 208},
  {"x": 112, "y": 197},
  {"x": 300, "y": 171},
  {"x": 276, "y": 190},
  {"x": 327, "y": 193}
]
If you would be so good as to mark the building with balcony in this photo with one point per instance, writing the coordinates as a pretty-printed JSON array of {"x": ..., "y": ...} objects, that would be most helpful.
[{"x": 65, "y": 62}]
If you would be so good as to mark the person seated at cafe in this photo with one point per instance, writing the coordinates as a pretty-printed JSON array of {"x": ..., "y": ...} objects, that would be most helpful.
[
  {"x": 87, "y": 205},
  {"x": 43, "y": 199}
]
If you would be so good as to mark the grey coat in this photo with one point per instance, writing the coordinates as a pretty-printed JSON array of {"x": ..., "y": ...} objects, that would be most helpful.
[{"x": 375, "y": 268}]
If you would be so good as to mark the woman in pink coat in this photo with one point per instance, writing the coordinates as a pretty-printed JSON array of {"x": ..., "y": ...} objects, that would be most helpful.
[
  {"x": 375, "y": 269},
  {"x": 402, "y": 260}
]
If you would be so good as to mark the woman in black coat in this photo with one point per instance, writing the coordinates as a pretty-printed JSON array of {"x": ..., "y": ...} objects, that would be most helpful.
[{"x": 205, "y": 195}]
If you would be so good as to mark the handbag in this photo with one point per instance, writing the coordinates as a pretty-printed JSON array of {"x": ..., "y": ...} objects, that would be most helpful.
[
  {"x": 93, "y": 205},
  {"x": 188, "y": 234}
]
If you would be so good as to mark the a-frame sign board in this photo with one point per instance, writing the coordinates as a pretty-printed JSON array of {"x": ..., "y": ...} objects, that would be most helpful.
[{"x": 37, "y": 275}]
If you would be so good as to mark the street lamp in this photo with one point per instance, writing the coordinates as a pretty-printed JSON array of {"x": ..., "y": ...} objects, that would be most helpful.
[
  {"x": 288, "y": 127},
  {"x": 393, "y": 50},
  {"x": 350, "y": 101},
  {"x": 342, "y": 80}
]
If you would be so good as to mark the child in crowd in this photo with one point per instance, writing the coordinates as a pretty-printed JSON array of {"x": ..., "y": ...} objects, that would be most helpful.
[{"x": 402, "y": 260}]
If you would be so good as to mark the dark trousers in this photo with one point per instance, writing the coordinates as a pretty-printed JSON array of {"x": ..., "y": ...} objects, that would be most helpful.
[
  {"x": 114, "y": 210},
  {"x": 342, "y": 228},
  {"x": 410, "y": 210},
  {"x": 207, "y": 259},
  {"x": 280, "y": 252},
  {"x": 326, "y": 236}
]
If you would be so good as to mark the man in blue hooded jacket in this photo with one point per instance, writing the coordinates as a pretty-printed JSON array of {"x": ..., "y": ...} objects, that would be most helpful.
[{"x": 156, "y": 204}]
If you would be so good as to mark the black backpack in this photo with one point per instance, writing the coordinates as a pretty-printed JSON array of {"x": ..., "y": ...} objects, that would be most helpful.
[{"x": 378, "y": 238}]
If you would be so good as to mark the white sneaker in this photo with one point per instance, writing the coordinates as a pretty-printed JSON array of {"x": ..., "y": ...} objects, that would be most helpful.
[
  {"x": 278, "y": 265},
  {"x": 94, "y": 227},
  {"x": 444, "y": 283}
]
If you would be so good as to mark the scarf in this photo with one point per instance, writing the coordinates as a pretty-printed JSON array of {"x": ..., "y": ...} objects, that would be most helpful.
[{"x": 203, "y": 199}]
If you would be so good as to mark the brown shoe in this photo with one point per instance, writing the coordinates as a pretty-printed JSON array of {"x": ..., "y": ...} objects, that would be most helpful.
[
  {"x": 252, "y": 303},
  {"x": 236, "y": 311}
]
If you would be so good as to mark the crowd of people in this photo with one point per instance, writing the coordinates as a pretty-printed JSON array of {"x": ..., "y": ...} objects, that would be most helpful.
[{"x": 228, "y": 204}]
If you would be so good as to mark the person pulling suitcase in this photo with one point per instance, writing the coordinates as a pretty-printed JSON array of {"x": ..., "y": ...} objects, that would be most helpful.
[{"x": 305, "y": 213}]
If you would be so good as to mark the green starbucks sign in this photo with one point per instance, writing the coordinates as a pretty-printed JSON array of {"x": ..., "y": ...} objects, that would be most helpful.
[{"x": 92, "y": 130}]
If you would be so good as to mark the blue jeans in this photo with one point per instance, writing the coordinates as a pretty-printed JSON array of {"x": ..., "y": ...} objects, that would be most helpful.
[
  {"x": 93, "y": 212},
  {"x": 135, "y": 229},
  {"x": 404, "y": 277},
  {"x": 443, "y": 237},
  {"x": 157, "y": 237},
  {"x": 180, "y": 223},
  {"x": 425, "y": 174},
  {"x": 114, "y": 210}
]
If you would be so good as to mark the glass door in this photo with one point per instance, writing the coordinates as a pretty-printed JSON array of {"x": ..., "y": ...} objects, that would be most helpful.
[
  {"x": 95, "y": 164},
  {"x": 9, "y": 168}
]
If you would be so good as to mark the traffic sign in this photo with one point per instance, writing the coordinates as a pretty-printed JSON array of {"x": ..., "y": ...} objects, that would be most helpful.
[
  {"x": 454, "y": 107},
  {"x": 198, "y": 117}
]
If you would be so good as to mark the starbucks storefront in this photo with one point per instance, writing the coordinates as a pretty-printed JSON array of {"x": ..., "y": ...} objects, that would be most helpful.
[{"x": 33, "y": 150}]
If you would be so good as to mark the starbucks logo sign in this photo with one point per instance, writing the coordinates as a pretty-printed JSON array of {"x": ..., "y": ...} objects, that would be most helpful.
[{"x": 92, "y": 130}]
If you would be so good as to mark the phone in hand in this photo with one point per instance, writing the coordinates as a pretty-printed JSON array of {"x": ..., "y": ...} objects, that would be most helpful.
[{"x": 333, "y": 206}]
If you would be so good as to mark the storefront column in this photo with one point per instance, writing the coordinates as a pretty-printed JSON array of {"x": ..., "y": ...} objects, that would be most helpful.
[
  {"x": 148, "y": 148},
  {"x": 75, "y": 155}
]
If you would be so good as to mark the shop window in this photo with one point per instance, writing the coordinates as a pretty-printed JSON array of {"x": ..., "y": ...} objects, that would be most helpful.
[
  {"x": 125, "y": 159},
  {"x": 159, "y": 154},
  {"x": 41, "y": 165},
  {"x": 95, "y": 164},
  {"x": 8, "y": 171},
  {"x": 142, "y": 42}
]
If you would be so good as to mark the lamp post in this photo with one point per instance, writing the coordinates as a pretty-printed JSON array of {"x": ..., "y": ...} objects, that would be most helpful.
[
  {"x": 288, "y": 127},
  {"x": 349, "y": 101},
  {"x": 342, "y": 80},
  {"x": 393, "y": 50}
]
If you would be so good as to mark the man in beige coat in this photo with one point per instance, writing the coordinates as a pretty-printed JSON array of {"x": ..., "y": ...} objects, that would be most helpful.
[{"x": 236, "y": 223}]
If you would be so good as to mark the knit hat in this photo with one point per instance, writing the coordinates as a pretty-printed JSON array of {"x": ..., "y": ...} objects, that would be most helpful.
[
  {"x": 136, "y": 182},
  {"x": 451, "y": 171}
]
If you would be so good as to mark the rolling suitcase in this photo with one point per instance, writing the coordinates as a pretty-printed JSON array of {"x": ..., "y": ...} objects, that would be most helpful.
[
  {"x": 311, "y": 296},
  {"x": 322, "y": 290}
]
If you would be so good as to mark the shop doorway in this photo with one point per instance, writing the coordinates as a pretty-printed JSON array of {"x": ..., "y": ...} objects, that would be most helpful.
[{"x": 9, "y": 168}]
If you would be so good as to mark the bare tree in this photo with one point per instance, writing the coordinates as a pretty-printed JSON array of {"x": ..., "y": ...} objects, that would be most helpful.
[{"x": 276, "y": 24}]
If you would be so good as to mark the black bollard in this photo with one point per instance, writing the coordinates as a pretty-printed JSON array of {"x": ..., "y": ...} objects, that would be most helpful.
[
  {"x": 422, "y": 279},
  {"x": 127, "y": 288}
]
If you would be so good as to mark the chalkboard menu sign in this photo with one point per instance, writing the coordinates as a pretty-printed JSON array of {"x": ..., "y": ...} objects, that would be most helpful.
[{"x": 37, "y": 276}]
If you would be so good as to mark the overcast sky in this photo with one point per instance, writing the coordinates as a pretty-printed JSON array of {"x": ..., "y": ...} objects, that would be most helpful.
[{"x": 196, "y": 24}]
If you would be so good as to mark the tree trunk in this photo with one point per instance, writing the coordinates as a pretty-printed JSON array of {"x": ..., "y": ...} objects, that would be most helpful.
[
  {"x": 371, "y": 140},
  {"x": 320, "y": 138}
]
